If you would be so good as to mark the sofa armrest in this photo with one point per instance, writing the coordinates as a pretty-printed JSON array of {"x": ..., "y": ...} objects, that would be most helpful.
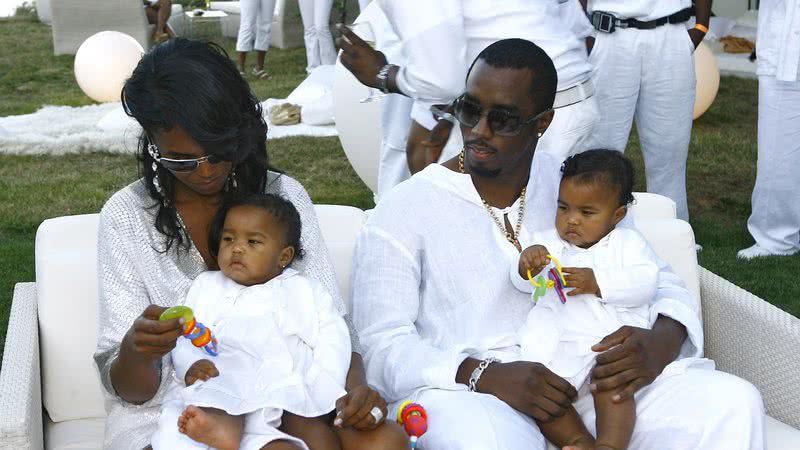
[
  {"x": 750, "y": 338},
  {"x": 20, "y": 382}
]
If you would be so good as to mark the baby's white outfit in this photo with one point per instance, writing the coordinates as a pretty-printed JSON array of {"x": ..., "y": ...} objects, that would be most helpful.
[
  {"x": 282, "y": 345},
  {"x": 560, "y": 336}
]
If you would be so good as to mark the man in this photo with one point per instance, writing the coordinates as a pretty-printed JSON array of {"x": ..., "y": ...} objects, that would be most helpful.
[
  {"x": 158, "y": 12},
  {"x": 644, "y": 64},
  {"x": 775, "y": 220},
  {"x": 433, "y": 302},
  {"x": 440, "y": 39}
]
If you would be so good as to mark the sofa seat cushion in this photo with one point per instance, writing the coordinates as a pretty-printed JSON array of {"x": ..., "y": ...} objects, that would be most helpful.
[
  {"x": 79, "y": 434},
  {"x": 781, "y": 436}
]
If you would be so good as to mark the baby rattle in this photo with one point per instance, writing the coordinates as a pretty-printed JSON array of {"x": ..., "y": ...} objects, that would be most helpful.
[
  {"x": 555, "y": 281},
  {"x": 414, "y": 420},
  {"x": 200, "y": 335}
]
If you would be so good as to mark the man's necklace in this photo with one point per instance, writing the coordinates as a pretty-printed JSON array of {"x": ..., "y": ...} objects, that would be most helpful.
[{"x": 510, "y": 236}]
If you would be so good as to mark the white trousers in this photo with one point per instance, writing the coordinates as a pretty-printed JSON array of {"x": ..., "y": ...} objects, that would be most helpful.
[
  {"x": 697, "y": 409},
  {"x": 570, "y": 130},
  {"x": 648, "y": 75},
  {"x": 395, "y": 122},
  {"x": 255, "y": 27},
  {"x": 316, "y": 15},
  {"x": 775, "y": 220},
  {"x": 363, "y": 4}
]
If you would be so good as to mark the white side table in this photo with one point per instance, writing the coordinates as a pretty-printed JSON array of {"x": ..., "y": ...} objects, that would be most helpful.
[{"x": 198, "y": 16}]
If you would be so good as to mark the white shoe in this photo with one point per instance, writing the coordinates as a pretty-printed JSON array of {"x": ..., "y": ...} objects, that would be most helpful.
[
  {"x": 757, "y": 251},
  {"x": 698, "y": 248}
]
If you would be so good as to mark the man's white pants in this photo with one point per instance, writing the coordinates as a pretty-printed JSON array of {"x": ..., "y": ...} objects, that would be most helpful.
[
  {"x": 696, "y": 409},
  {"x": 775, "y": 220},
  {"x": 648, "y": 75},
  {"x": 395, "y": 122},
  {"x": 317, "y": 33},
  {"x": 255, "y": 27}
]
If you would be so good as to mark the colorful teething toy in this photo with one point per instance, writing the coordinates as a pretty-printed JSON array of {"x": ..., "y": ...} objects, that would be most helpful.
[
  {"x": 199, "y": 334},
  {"x": 414, "y": 420},
  {"x": 555, "y": 281}
]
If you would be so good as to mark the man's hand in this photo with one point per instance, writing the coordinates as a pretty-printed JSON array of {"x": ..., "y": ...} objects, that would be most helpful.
[
  {"x": 353, "y": 409},
  {"x": 582, "y": 280},
  {"x": 696, "y": 36},
  {"x": 201, "y": 370},
  {"x": 359, "y": 58},
  {"x": 589, "y": 44},
  {"x": 530, "y": 388},
  {"x": 631, "y": 358},
  {"x": 533, "y": 258}
]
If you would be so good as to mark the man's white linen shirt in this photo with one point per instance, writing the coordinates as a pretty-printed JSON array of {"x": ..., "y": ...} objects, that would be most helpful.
[
  {"x": 431, "y": 284},
  {"x": 778, "y": 39},
  {"x": 643, "y": 10},
  {"x": 441, "y": 39}
]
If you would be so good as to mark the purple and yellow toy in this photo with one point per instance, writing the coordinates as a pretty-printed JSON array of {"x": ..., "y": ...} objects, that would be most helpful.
[
  {"x": 414, "y": 420},
  {"x": 200, "y": 335},
  {"x": 555, "y": 280}
]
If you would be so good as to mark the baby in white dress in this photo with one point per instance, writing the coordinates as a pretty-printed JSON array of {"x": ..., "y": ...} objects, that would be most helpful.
[
  {"x": 611, "y": 276},
  {"x": 282, "y": 344}
]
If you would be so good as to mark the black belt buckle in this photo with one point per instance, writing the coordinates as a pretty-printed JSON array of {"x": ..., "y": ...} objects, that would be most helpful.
[{"x": 603, "y": 21}]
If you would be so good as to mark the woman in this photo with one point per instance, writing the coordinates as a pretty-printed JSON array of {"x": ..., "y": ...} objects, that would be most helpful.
[
  {"x": 255, "y": 33},
  {"x": 203, "y": 135},
  {"x": 316, "y": 15}
]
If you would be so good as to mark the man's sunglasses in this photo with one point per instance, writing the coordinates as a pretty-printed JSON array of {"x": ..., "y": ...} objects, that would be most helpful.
[
  {"x": 501, "y": 122},
  {"x": 181, "y": 165}
]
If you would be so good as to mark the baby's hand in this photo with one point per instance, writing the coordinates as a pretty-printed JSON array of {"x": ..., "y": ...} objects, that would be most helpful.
[
  {"x": 533, "y": 258},
  {"x": 582, "y": 280},
  {"x": 201, "y": 370}
]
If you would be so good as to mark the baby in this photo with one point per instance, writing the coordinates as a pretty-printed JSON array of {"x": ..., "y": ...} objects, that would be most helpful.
[
  {"x": 613, "y": 276},
  {"x": 282, "y": 344}
]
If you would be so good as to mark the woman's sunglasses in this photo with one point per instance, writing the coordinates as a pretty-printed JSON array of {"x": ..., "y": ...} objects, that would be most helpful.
[
  {"x": 181, "y": 165},
  {"x": 501, "y": 122}
]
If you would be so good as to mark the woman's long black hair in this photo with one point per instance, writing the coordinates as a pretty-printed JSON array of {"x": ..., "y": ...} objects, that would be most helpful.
[{"x": 196, "y": 86}]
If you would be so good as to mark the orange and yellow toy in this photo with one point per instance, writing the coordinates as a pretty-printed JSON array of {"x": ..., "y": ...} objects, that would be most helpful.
[
  {"x": 414, "y": 420},
  {"x": 200, "y": 335}
]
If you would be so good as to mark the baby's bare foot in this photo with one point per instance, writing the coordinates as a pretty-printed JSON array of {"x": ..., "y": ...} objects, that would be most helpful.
[{"x": 212, "y": 427}]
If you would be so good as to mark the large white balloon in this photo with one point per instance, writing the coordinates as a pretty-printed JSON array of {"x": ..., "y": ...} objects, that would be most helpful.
[
  {"x": 103, "y": 62},
  {"x": 707, "y": 73}
]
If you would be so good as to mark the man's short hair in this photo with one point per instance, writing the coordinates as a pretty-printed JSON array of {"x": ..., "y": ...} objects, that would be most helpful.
[{"x": 522, "y": 54}]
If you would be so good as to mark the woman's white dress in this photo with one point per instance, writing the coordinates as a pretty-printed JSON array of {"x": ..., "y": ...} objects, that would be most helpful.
[{"x": 282, "y": 345}]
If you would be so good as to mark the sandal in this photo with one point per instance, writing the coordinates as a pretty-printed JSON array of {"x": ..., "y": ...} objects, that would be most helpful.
[{"x": 261, "y": 74}]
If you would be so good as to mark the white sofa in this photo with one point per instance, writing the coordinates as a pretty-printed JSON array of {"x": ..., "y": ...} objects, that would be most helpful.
[
  {"x": 50, "y": 393},
  {"x": 287, "y": 26}
]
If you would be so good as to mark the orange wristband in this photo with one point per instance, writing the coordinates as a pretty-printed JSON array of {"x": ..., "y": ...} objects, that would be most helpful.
[{"x": 701, "y": 27}]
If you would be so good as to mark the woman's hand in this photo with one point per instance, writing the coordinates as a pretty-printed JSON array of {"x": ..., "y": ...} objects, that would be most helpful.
[
  {"x": 359, "y": 58},
  {"x": 633, "y": 357},
  {"x": 149, "y": 339},
  {"x": 200, "y": 370},
  {"x": 353, "y": 409}
]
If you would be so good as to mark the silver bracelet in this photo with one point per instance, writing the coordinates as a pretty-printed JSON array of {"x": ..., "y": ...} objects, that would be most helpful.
[
  {"x": 476, "y": 374},
  {"x": 383, "y": 78}
]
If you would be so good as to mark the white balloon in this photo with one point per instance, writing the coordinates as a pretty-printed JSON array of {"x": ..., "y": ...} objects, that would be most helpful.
[
  {"x": 103, "y": 62},
  {"x": 707, "y": 74}
]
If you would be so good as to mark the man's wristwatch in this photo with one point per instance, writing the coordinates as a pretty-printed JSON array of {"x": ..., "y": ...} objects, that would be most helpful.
[
  {"x": 476, "y": 374},
  {"x": 383, "y": 78}
]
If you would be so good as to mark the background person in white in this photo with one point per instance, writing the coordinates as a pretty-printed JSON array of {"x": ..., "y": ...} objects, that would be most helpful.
[
  {"x": 441, "y": 38},
  {"x": 432, "y": 297},
  {"x": 648, "y": 75},
  {"x": 315, "y": 15},
  {"x": 255, "y": 33},
  {"x": 775, "y": 220}
]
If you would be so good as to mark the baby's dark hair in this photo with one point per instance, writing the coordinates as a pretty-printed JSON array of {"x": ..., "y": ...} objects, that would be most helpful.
[
  {"x": 606, "y": 166},
  {"x": 281, "y": 209}
]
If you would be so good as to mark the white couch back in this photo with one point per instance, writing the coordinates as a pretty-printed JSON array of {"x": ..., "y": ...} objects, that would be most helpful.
[{"x": 66, "y": 282}]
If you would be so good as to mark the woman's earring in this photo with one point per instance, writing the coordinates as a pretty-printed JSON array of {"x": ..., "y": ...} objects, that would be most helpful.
[
  {"x": 234, "y": 183},
  {"x": 539, "y": 134}
]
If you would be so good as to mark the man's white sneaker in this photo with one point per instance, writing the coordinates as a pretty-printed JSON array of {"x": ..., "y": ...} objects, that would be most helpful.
[
  {"x": 757, "y": 251},
  {"x": 698, "y": 248}
]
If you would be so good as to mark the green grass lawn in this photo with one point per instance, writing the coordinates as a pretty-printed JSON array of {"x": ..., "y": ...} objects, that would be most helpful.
[{"x": 32, "y": 188}]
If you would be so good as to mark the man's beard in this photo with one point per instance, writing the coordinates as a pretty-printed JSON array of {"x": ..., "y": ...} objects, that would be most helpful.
[{"x": 484, "y": 172}]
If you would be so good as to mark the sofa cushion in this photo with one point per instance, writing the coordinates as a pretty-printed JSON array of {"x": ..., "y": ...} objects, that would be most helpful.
[
  {"x": 79, "y": 434},
  {"x": 781, "y": 436},
  {"x": 66, "y": 289}
]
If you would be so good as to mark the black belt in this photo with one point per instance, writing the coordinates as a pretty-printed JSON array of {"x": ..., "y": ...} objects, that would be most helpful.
[{"x": 607, "y": 22}]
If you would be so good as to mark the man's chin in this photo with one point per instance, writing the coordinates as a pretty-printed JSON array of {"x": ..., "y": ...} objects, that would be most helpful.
[{"x": 483, "y": 171}]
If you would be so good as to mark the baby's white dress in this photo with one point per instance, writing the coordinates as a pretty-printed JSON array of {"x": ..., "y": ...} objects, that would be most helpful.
[
  {"x": 560, "y": 336},
  {"x": 282, "y": 345}
]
